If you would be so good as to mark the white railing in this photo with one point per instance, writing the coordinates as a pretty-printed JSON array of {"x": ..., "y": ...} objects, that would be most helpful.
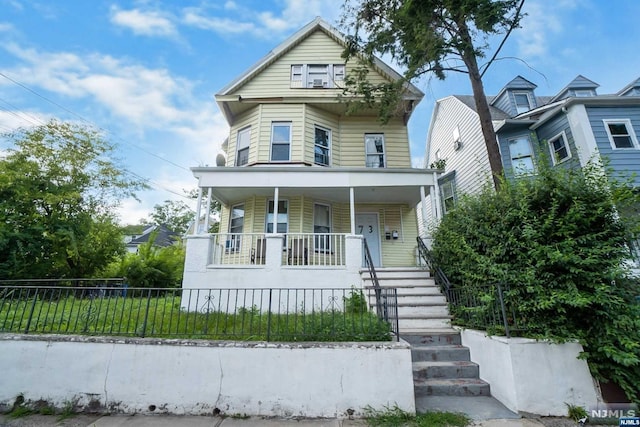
[
  {"x": 238, "y": 249},
  {"x": 314, "y": 249}
]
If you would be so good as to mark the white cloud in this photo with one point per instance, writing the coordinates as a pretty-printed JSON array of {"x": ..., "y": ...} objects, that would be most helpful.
[
  {"x": 145, "y": 23},
  {"x": 5, "y": 27}
]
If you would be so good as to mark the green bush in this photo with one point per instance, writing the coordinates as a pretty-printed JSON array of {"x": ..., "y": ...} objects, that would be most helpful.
[{"x": 560, "y": 242}]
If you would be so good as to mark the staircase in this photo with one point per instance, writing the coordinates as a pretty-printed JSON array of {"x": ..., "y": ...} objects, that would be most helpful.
[
  {"x": 421, "y": 306},
  {"x": 441, "y": 365}
]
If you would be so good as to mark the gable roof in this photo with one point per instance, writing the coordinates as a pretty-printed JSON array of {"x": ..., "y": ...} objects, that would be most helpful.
[
  {"x": 630, "y": 86},
  {"x": 164, "y": 237},
  {"x": 518, "y": 82},
  {"x": 318, "y": 24},
  {"x": 580, "y": 82},
  {"x": 469, "y": 101}
]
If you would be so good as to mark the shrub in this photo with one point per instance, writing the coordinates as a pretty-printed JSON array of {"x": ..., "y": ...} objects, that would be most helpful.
[{"x": 559, "y": 242}]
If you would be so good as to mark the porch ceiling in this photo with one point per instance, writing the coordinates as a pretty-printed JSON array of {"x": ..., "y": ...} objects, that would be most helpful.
[{"x": 230, "y": 185}]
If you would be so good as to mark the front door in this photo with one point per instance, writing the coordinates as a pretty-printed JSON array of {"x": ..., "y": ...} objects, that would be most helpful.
[{"x": 367, "y": 226}]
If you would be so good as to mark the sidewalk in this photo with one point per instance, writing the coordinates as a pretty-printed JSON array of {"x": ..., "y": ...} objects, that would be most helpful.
[{"x": 203, "y": 421}]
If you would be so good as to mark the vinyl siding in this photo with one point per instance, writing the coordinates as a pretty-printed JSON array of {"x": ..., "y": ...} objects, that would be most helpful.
[
  {"x": 551, "y": 129},
  {"x": 316, "y": 117},
  {"x": 503, "y": 142},
  {"x": 275, "y": 80},
  {"x": 352, "y": 149},
  {"x": 249, "y": 118},
  {"x": 626, "y": 161},
  {"x": 270, "y": 113}
]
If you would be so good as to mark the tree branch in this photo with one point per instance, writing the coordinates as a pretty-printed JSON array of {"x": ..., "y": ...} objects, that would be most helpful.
[{"x": 513, "y": 25}]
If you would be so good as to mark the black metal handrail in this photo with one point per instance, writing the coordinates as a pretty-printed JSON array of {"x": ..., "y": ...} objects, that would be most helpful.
[
  {"x": 383, "y": 307},
  {"x": 440, "y": 278},
  {"x": 270, "y": 314}
]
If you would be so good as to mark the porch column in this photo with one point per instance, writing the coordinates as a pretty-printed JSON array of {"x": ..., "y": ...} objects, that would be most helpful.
[
  {"x": 352, "y": 210},
  {"x": 423, "y": 205},
  {"x": 206, "y": 218},
  {"x": 196, "y": 229},
  {"x": 276, "y": 193}
]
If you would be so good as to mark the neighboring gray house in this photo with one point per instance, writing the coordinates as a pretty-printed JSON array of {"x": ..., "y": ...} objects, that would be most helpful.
[
  {"x": 573, "y": 127},
  {"x": 163, "y": 237}
]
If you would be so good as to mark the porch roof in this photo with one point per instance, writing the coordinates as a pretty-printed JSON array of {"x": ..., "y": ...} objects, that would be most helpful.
[{"x": 231, "y": 184}]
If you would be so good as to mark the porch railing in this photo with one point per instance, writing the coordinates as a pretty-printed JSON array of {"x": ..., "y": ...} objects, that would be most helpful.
[
  {"x": 240, "y": 314},
  {"x": 315, "y": 249},
  {"x": 238, "y": 248}
]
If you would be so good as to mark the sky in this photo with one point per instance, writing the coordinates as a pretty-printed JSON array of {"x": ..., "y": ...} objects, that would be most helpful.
[{"x": 145, "y": 72}]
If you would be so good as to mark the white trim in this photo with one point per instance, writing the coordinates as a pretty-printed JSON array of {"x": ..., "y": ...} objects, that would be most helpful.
[
  {"x": 280, "y": 123},
  {"x": 328, "y": 247},
  {"x": 246, "y": 129},
  {"x": 511, "y": 156},
  {"x": 274, "y": 224},
  {"x": 562, "y": 135},
  {"x": 367, "y": 154},
  {"x": 582, "y": 133},
  {"x": 630, "y": 130},
  {"x": 329, "y": 141},
  {"x": 529, "y": 100}
]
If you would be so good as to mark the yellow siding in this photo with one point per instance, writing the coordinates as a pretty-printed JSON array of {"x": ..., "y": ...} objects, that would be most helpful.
[
  {"x": 249, "y": 118},
  {"x": 316, "y": 117},
  {"x": 396, "y": 140},
  {"x": 281, "y": 113},
  {"x": 275, "y": 80}
]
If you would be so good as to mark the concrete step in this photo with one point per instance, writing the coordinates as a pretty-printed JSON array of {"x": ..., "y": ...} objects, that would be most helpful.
[
  {"x": 432, "y": 337},
  {"x": 451, "y": 387},
  {"x": 409, "y": 290},
  {"x": 423, "y": 323},
  {"x": 449, "y": 369},
  {"x": 421, "y": 310},
  {"x": 435, "y": 353},
  {"x": 478, "y": 408},
  {"x": 399, "y": 281}
]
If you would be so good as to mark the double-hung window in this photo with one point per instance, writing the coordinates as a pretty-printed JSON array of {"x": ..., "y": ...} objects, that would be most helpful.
[
  {"x": 322, "y": 146},
  {"x": 521, "y": 155},
  {"x": 559, "y": 148},
  {"x": 448, "y": 191},
  {"x": 322, "y": 227},
  {"x": 374, "y": 148},
  {"x": 317, "y": 76},
  {"x": 236, "y": 226},
  {"x": 242, "y": 143},
  {"x": 523, "y": 102},
  {"x": 280, "y": 141},
  {"x": 282, "y": 219},
  {"x": 621, "y": 134}
]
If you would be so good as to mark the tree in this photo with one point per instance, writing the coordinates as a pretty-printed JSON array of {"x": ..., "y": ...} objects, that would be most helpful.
[
  {"x": 429, "y": 36},
  {"x": 58, "y": 188},
  {"x": 175, "y": 215}
]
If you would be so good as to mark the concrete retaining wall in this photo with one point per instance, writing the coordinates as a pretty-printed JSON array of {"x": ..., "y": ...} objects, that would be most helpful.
[
  {"x": 530, "y": 376},
  {"x": 196, "y": 377}
]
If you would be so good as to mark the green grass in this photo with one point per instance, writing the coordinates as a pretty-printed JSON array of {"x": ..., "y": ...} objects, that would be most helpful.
[
  {"x": 397, "y": 417},
  {"x": 163, "y": 317}
]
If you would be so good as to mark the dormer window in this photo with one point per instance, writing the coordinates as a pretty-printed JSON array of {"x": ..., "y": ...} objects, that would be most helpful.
[
  {"x": 583, "y": 93},
  {"x": 523, "y": 102},
  {"x": 317, "y": 76}
]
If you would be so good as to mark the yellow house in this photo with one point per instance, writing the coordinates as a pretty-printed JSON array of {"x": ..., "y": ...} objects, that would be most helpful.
[{"x": 304, "y": 183}]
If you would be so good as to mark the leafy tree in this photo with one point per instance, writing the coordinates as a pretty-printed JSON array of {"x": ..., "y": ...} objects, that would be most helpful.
[
  {"x": 424, "y": 37},
  {"x": 560, "y": 245},
  {"x": 58, "y": 188},
  {"x": 175, "y": 215}
]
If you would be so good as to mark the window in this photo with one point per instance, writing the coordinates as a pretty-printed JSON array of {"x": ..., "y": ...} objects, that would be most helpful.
[
  {"x": 523, "y": 103},
  {"x": 317, "y": 76},
  {"x": 282, "y": 219},
  {"x": 374, "y": 147},
  {"x": 322, "y": 145},
  {"x": 621, "y": 134},
  {"x": 243, "y": 142},
  {"x": 559, "y": 148},
  {"x": 448, "y": 192},
  {"x": 521, "y": 156},
  {"x": 322, "y": 225},
  {"x": 236, "y": 226},
  {"x": 280, "y": 141},
  {"x": 583, "y": 93}
]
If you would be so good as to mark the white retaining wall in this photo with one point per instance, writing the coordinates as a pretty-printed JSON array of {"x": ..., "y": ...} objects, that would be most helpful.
[
  {"x": 530, "y": 376},
  {"x": 195, "y": 377}
]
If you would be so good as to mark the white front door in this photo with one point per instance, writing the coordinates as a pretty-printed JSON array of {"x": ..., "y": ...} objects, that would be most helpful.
[{"x": 367, "y": 226}]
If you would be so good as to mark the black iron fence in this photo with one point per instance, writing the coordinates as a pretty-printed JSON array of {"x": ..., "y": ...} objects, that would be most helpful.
[{"x": 234, "y": 314}]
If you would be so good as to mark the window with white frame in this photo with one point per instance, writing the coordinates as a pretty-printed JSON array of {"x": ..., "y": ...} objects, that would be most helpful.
[
  {"x": 583, "y": 93},
  {"x": 448, "y": 191},
  {"x": 521, "y": 155},
  {"x": 236, "y": 227},
  {"x": 523, "y": 102},
  {"x": 242, "y": 143},
  {"x": 317, "y": 76},
  {"x": 559, "y": 148},
  {"x": 282, "y": 219},
  {"x": 280, "y": 141},
  {"x": 322, "y": 227},
  {"x": 374, "y": 150},
  {"x": 621, "y": 134},
  {"x": 322, "y": 146}
]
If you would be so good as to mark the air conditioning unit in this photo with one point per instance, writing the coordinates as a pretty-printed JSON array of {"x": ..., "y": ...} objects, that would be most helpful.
[
  {"x": 319, "y": 83},
  {"x": 457, "y": 145}
]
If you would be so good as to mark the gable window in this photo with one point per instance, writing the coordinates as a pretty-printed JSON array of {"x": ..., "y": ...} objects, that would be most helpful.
[
  {"x": 583, "y": 93},
  {"x": 322, "y": 145},
  {"x": 317, "y": 76},
  {"x": 523, "y": 102},
  {"x": 282, "y": 218},
  {"x": 236, "y": 226},
  {"x": 559, "y": 148},
  {"x": 322, "y": 226},
  {"x": 448, "y": 191},
  {"x": 374, "y": 148},
  {"x": 521, "y": 155},
  {"x": 280, "y": 141},
  {"x": 243, "y": 142},
  {"x": 621, "y": 133}
]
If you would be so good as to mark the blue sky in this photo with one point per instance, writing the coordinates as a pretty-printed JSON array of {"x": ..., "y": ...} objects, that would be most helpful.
[{"x": 146, "y": 71}]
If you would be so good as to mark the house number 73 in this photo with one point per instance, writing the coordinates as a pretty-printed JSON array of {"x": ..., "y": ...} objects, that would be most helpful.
[{"x": 361, "y": 227}]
